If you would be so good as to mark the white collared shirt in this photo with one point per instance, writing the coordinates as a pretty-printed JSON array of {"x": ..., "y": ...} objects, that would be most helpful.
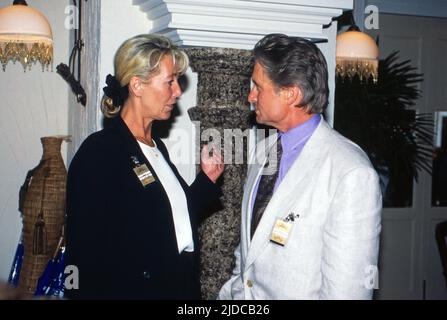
[{"x": 176, "y": 195}]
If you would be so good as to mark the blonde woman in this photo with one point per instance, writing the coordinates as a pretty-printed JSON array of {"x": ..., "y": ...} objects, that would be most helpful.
[{"x": 132, "y": 220}]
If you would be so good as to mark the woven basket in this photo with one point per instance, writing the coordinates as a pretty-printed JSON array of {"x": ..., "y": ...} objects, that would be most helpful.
[{"x": 43, "y": 213}]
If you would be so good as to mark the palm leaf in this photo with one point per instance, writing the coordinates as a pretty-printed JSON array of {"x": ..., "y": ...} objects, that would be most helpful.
[{"x": 379, "y": 117}]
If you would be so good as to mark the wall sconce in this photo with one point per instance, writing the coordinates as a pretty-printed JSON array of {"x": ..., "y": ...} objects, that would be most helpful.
[
  {"x": 357, "y": 54},
  {"x": 25, "y": 36}
]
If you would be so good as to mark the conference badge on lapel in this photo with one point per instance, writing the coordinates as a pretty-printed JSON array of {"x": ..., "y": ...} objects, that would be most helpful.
[
  {"x": 282, "y": 229},
  {"x": 142, "y": 171}
]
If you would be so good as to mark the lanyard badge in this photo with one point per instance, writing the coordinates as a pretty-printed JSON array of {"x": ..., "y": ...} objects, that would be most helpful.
[
  {"x": 282, "y": 229},
  {"x": 142, "y": 171}
]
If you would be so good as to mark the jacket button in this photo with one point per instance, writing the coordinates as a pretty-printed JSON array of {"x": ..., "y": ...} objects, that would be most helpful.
[
  {"x": 249, "y": 283},
  {"x": 146, "y": 275}
]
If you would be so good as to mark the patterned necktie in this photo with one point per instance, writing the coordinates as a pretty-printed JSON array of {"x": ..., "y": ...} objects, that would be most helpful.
[{"x": 265, "y": 189}]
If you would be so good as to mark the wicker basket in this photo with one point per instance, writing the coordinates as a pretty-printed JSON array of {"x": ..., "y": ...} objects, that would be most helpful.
[{"x": 43, "y": 213}]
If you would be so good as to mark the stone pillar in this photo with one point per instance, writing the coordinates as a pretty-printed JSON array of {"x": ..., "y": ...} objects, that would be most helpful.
[{"x": 223, "y": 86}]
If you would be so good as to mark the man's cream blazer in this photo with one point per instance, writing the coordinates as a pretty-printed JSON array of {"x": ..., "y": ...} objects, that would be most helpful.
[{"x": 333, "y": 247}]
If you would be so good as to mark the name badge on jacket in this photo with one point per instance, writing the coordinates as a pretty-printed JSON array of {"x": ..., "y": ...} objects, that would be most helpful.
[
  {"x": 282, "y": 228},
  {"x": 142, "y": 171}
]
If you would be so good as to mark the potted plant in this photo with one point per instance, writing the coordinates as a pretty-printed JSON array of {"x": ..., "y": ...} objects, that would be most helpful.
[{"x": 379, "y": 117}]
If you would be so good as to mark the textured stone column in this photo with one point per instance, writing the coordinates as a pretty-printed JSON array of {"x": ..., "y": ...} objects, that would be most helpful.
[{"x": 223, "y": 86}]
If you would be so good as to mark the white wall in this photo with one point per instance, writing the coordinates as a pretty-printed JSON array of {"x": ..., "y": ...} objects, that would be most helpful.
[
  {"x": 120, "y": 20},
  {"x": 328, "y": 49},
  {"x": 33, "y": 104}
]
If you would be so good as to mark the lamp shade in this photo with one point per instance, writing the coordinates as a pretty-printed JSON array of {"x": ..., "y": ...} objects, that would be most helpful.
[
  {"x": 25, "y": 35},
  {"x": 357, "y": 54}
]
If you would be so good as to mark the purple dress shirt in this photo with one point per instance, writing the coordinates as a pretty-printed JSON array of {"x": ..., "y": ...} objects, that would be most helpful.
[{"x": 293, "y": 142}]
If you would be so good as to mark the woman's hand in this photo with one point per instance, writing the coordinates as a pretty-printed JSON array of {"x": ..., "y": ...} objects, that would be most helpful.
[{"x": 213, "y": 165}]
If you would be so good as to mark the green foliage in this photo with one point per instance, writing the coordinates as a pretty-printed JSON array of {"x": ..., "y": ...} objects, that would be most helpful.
[{"x": 380, "y": 119}]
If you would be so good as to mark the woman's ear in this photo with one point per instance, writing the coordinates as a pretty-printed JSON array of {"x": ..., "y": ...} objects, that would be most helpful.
[{"x": 135, "y": 86}]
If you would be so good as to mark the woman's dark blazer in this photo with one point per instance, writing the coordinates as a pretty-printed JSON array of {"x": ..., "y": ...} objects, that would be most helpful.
[{"x": 121, "y": 235}]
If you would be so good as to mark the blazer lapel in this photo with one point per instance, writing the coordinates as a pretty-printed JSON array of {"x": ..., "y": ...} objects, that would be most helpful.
[
  {"x": 130, "y": 144},
  {"x": 287, "y": 195},
  {"x": 255, "y": 168}
]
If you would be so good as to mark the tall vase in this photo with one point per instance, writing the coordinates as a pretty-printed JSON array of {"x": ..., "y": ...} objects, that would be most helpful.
[{"x": 43, "y": 212}]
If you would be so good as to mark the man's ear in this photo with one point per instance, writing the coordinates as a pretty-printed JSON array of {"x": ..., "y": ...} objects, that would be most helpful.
[
  {"x": 135, "y": 86},
  {"x": 293, "y": 95}
]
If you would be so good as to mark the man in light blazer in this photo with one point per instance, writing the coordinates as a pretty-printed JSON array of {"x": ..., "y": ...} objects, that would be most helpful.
[{"x": 318, "y": 236}]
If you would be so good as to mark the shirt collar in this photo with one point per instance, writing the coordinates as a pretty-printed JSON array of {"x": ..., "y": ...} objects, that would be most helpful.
[{"x": 294, "y": 137}]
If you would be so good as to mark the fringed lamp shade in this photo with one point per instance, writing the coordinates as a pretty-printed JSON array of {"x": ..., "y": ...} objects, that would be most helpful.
[
  {"x": 357, "y": 54},
  {"x": 25, "y": 36}
]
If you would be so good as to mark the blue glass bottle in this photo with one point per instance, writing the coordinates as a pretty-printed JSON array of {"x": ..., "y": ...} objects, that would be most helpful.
[{"x": 14, "y": 274}]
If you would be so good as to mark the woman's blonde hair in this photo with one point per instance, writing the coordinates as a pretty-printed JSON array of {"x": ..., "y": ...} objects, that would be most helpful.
[{"x": 140, "y": 56}]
